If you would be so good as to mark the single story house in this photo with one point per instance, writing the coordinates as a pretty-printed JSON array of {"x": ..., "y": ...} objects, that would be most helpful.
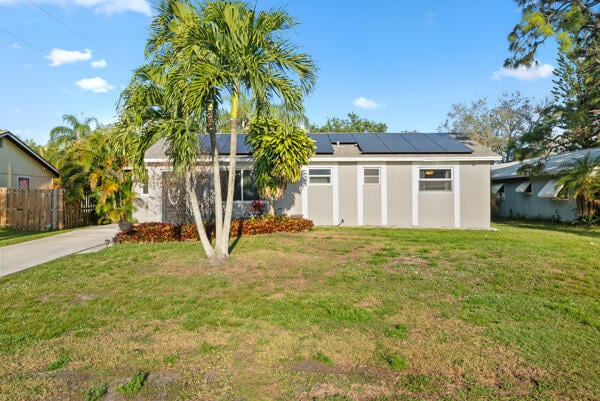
[
  {"x": 536, "y": 196},
  {"x": 390, "y": 179},
  {"x": 21, "y": 167}
]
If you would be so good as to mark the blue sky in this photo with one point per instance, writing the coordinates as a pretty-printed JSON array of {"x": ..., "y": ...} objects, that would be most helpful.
[{"x": 399, "y": 62}]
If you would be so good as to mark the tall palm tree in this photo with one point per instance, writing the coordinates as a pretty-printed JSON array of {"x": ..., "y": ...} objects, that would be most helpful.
[
  {"x": 223, "y": 47},
  {"x": 66, "y": 135},
  {"x": 581, "y": 181}
]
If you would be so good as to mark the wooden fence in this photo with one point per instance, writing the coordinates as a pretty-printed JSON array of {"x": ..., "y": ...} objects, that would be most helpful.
[{"x": 42, "y": 210}]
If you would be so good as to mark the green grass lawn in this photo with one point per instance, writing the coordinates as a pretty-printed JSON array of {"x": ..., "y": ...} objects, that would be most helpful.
[
  {"x": 334, "y": 314},
  {"x": 10, "y": 236}
]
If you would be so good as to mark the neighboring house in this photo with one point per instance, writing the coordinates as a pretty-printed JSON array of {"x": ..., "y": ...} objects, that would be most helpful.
[
  {"x": 536, "y": 196},
  {"x": 21, "y": 167},
  {"x": 403, "y": 180}
]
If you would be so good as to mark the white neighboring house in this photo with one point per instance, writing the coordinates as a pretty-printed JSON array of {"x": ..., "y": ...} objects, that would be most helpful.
[
  {"x": 362, "y": 179},
  {"x": 536, "y": 197}
]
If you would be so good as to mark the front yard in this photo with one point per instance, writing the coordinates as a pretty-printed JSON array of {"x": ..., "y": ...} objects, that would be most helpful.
[{"x": 334, "y": 314}]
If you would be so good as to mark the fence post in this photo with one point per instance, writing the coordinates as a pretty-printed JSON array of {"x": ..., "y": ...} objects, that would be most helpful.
[{"x": 3, "y": 206}]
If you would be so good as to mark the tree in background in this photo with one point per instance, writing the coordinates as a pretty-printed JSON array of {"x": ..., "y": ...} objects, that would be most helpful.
[
  {"x": 353, "y": 123},
  {"x": 573, "y": 121},
  {"x": 500, "y": 127},
  {"x": 198, "y": 55},
  {"x": 279, "y": 152}
]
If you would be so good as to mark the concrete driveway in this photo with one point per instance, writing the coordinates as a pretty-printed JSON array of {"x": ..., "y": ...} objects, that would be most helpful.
[{"x": 14, "y": 258}]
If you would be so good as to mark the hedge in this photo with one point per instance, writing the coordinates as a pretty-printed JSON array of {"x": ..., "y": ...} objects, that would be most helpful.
[{"x": 168, "y": 232}]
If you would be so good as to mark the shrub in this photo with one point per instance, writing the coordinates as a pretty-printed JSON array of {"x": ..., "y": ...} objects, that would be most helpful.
[{"x": 167, "y": 232}]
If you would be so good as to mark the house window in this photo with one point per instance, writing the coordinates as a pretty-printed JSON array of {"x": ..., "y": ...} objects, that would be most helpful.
[
  {"x": 524, "y": 188},
  {"x": 435, "y": 179},
  {"x": 244, "y": 189},
  {"x": 498, "y": 189},
  {"x": 23, "y": 183},
  {"x": 319, "y": 176},
  {"x": 371, "y": 175},
  {"x": 0, "y": 142}
]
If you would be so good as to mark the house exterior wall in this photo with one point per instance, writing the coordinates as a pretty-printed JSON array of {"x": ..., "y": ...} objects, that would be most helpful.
[
  {"x": 17, "y": 163},
  {"x": 348, "y": 199},
  {"x": 396, "y": 201},
  {"x": 521, "y": 205},
  {"x": 399, "y": 194},
  {"x": 474, "y": 202}
]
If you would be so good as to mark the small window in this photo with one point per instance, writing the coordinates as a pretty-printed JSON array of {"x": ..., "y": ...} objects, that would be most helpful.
[
  {"x": 319, "y": 176},
  {"x": 23, "y": 183},
  {"x": 524, "y": 188},
  {"x": 0, "y": 142},
  {"x": 371, "y": 175},
  {"x": 439, "y": 179}
]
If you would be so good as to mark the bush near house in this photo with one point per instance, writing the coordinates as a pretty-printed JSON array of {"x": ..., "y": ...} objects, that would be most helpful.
[{"x": 168, "y": 232}]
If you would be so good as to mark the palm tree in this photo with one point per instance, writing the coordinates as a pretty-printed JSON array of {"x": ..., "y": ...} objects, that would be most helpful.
[
  {"x": 64, "y": 136},
  {"x": 581, "y": 182},
  {"x": 219, "y": 48}
]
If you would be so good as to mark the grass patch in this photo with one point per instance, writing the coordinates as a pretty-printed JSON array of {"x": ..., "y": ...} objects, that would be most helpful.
[
  {"x": 134, "y": 385},
  {"x": 321, "y": 357},
  {"x": 405, "y": 314},
  {"x": 96, "y": 392},
  {"x": 10, "y": 236}
]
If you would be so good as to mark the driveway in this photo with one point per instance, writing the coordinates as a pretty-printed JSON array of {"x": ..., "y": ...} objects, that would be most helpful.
[{"x": 14, "y": 258}]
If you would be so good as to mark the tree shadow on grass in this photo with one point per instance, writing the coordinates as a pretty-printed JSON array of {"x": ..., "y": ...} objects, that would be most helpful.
[{"x": 238, "y": 235}]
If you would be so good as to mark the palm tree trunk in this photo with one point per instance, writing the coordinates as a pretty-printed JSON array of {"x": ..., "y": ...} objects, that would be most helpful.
[
  {"x": 193, "y": 198},
  {"x": 212, "y": 132},
  {"x": 231, "y": 179}
]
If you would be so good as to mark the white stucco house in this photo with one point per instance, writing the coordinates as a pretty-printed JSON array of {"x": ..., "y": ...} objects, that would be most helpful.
[{"x": 391, "y": 179}]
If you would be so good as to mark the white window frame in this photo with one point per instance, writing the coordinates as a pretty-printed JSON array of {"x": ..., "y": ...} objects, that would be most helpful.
[
  {"x": 330, "y": 176},
  {"x": 378, "y": 176},
  {"x": 242, "y": 170},
  {"x": 450, "y": 180}
]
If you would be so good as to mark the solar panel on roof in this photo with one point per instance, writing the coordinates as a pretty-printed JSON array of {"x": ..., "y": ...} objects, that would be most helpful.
[
  {"x": 342, "y": 138},
  {"x": 371, "y": 143},
  {"x": 423, "y": 144},
  {"x": 323, "y": 143},
  {"x": 397, "y": 144},
  {"x": 242, "y": 147},
  {"x": 449, "y": 144}
]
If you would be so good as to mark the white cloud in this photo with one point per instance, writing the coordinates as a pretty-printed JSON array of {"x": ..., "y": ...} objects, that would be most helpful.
[
  {"x": 365, "y": 103},
  {"x": 107, "y": 7},
  {"x": 98, "y": 64},
  {"x": 60, "y": 56},
  {"x": 525, "y": 73},
  {"x": 15, "y": 46},
  {"x": 96, "y": 85}
]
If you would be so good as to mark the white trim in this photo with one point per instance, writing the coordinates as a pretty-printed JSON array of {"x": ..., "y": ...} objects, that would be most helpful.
[
  {"x": 415, "y": 195},
  {"x": 359, "y": 195},
  {"x": 383, "y": 182},
  {"x": 456, "y": 189},
  {"x": 496, "y": 188},
  {"x": 336, "y": 195},
  {"x": 304, "y": 192}
]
